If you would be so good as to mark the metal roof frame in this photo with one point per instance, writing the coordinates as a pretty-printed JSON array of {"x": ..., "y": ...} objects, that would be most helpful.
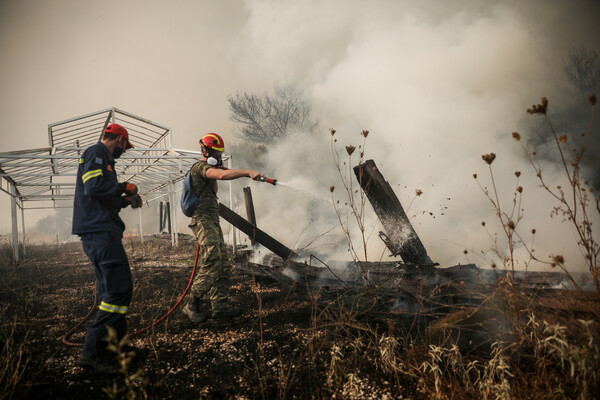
[{"x": 46, "y": 176}]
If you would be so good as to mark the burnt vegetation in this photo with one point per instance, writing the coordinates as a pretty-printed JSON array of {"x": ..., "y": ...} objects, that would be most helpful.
[
  {"x": 398, "y": 331},
  {"x": 298, "y": 340},
  {"x": 443, "y": 333}
]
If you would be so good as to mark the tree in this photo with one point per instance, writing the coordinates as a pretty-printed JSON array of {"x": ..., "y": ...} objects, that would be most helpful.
[
  {"x": 583, "y": 70},
  {"x": 272, "y": 116}
]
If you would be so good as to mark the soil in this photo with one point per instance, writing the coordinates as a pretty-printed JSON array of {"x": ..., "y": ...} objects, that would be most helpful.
[
  {"x": 271, "y": 350},
  {"x": 292, "y": 340}
]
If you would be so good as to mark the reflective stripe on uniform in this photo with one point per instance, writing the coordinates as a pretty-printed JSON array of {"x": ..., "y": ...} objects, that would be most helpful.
[
  {"x": 113, "y": 308},
  {"x": 81, "y": 161},
  {"x": 91, "y": 174}
]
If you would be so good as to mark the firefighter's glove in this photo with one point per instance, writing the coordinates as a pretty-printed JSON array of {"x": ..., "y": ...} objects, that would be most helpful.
[
  {"x": 134, "y": 201},
  {"x": 128, "y": 188}
]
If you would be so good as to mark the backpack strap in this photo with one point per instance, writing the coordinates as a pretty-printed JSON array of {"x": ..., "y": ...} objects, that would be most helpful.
[{"x": 206, "y": 183}]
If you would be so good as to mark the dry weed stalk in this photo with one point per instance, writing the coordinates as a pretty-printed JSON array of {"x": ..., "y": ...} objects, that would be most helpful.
[
  {"x": 13, "y": 360},
  {"x": 574, "y": 202},
  {"x": 509, "y": 221},
  {"x": 336, "y": 372},
  {"x": 578, "y": 361},
  {"x": 447, "y": 367},
  {"x": 134, "y": 383},
  {"x": 356, "y": 205},
  {"x": 285, "y": 375}
]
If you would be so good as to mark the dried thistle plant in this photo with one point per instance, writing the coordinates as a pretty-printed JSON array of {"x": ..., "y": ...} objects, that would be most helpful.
[
  {"x": 489, "y": 158},
  {"x": 355, "y": 204},
  {"x": 540, "y": 108},
  {"x": 509, "y": 218},
  {"x": 576, "y": 202},
  {"x": 592, "y": 99}
]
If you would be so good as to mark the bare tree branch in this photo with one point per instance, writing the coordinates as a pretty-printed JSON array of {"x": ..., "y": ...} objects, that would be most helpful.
[
  {"x": 272, "y": 117},
  {"x": 583, "y": 70}
]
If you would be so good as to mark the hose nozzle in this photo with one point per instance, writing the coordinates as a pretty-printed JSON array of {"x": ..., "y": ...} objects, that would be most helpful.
[{"x": 268, "y": 180}]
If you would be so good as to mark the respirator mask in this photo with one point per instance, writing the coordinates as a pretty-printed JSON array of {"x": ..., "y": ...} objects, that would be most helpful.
[{"x": 214, "y": 158}]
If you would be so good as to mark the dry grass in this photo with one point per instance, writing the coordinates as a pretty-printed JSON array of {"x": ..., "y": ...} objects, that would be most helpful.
[
  {"x": 288, "y": 343},
  {"x": 534, "y": 355},
  {"x": 300, "y": 343}
]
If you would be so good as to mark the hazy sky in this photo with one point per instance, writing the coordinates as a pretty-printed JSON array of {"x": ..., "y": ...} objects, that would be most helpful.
[{"x": 437, "y": 84}]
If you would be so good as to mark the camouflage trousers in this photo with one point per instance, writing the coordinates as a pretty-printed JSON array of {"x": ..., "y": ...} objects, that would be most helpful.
[{"x": 213, "y": 276}]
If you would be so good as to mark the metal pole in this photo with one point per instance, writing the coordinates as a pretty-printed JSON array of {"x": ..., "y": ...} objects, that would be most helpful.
[
  {"x": 160, "y": 217},
  {"x": 15, "y": 228},
  {"x": 23, "y": 228},
  {"x": 141, "y": 225},
  {"x": 50, "y": 141},
  {"x": 169, "y": 229},
  {"x": 234, "y": 242},
  {"x": 173, "y": 213}
]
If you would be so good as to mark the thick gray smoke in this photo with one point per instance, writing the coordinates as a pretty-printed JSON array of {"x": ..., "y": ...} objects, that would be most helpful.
[
  {"x": 437, "y": 88},
  {"x": 437, "y": 84}
]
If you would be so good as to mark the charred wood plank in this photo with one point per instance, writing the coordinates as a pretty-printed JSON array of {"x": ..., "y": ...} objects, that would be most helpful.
[
  {"x": 254, "y": 233},
  {"x": 400, "y": 236},
  {"x": 250, "y": 208}
]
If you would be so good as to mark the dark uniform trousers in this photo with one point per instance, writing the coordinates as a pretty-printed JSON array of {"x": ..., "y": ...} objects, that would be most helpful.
[{"x": 115, "y": 287}]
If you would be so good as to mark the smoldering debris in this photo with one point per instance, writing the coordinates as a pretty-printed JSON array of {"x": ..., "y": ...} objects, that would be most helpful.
[{"x": 460, "y": 304}]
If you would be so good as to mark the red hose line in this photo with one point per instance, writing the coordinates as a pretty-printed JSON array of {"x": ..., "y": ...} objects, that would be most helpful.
[
  {"x": 178, "y": 301},
  {"x": 65, "y": 338}
]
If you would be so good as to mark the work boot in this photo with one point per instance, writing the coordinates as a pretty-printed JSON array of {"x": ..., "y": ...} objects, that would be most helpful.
[
  {"x": 140, "y": 354},
  {"x": 192, "y": 310},
  {"x": 226, "y": 312},
  {"x": 102, "y": 366}
]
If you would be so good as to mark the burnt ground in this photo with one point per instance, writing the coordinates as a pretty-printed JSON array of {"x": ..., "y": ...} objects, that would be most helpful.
[
  {"x": 272, "y": 350},
  {"x": 291, "y": 340}
]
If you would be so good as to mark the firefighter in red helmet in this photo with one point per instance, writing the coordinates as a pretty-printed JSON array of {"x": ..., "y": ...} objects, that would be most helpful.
[
  {"x": 213, "y": 278},
  {"x": 99, "y": 198}
]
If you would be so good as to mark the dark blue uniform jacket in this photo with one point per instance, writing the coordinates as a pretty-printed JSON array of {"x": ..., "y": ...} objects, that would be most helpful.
[{"x": 97, "y": 193}]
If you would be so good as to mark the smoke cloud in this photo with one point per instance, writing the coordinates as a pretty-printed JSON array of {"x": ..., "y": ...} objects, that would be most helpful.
[
  {"x": 437, "y": 85},
  {"x": 437, "y": 88}
]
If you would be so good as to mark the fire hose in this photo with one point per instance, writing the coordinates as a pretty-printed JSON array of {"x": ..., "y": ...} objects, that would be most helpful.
[
  {"x": 268, "y": 180},
  {"x": 65, "y": 338},
  {"x": 262, "y": 178}
]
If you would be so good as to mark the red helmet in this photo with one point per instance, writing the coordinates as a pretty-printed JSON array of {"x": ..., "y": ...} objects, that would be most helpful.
[
  {"x": 213, "y": 141},
  {"x": 117, "y": 129}
]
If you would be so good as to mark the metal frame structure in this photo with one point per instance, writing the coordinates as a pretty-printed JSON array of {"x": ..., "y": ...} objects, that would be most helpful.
[{"x": 45, "y": 177}]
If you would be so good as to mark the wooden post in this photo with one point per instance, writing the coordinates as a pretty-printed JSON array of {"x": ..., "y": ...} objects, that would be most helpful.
[
  {"x": 400, "y": 236},
  {"x": 253, "y": 232},
  {"x": 250, "y": 208}
]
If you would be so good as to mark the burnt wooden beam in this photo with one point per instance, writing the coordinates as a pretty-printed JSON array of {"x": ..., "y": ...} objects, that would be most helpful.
[
  {"x": 400, "y": 236},
  {"x": 254, "y": 233},
  {"x": 250, "y": 208}
]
